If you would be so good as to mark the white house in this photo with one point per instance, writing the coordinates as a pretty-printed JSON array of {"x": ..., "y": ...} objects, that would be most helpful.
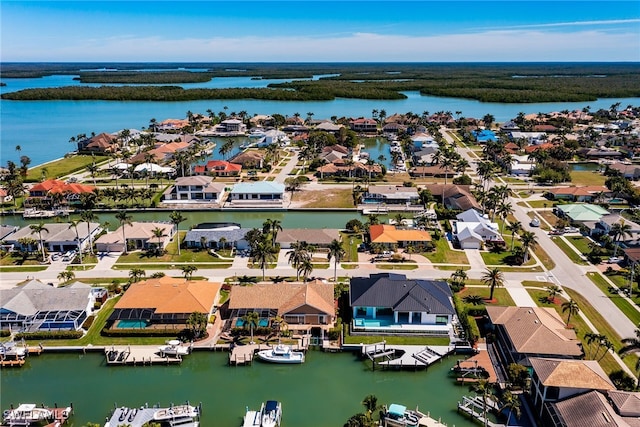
[
  {"x": 138, "y": 235},
  {"x": 252, "y": 194},
  {"x": 471, "y": 230},
  {"x": 58, "y": 237},
  {"x": 195, "y": 189}
]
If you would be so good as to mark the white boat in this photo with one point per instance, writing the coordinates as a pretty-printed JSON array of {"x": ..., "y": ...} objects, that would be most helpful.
[
  {"x": 174, "y": 348},
  {"x": 26, "y": 414},
  {"x": 176, "y": 413},
  {"x": 253, "y": 418},
  {"x": 281, "y": 354},
  {"x": 399, "y": 416},
  {"x": 272, "y": 414},
  {"x": 256, "y": 133},
  {"x": 9, "y": 350}
]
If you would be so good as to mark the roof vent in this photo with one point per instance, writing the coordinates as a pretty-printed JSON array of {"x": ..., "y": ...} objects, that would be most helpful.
[
  {"x": 536, "y": 321},
  {"x": 529, "y": 311}
]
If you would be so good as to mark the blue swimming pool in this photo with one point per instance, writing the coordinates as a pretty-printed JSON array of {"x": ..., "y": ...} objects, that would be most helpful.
[
  {"x": 132, "y": 324},
  {"x": 262, "y": 323}
]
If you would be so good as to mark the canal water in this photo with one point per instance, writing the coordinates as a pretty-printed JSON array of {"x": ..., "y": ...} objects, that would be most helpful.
[
  {"x": 324, "y": 391},
  {"x": 248, "y": 219}
]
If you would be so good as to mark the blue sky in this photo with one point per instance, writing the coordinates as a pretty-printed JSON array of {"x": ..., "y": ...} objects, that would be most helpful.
[{"x": 308, "y": 31}]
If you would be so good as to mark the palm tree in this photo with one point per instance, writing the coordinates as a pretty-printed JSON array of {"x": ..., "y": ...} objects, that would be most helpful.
[
  {"x": 188, "y": 270},
  {"x": 305, "y": 269},
  {"x": 176, "y": 218},
  {"x": 370, "y": 403},
  {"x": 504, "y": 210},
  {"x": 88, "y": 216},
  {"x": 473, "y": 299},
  {"x": 38, "y": 229},
  {"x": 298, "y": 253},
  {"x": 272, "y": 227},
  {"x": 570, "y": 307},
  {"x": 197, "y": 322},
  {"x": 619, "y": 230},
  {"x": 552, "y": 292},
  {"x": 512, "y": 403},
  {"x": 529, "y": 241},
  {"x": 73, "y": 223},
  {"x": 494, "y": 278},
  {"x": 515, "y": 227},
  {"x": 135, "y": 274},
  {"x": 66, "y": 276},
  {"x": 484, "y": 390},
  {"x": 262, "y": 253},
  {"x": 125, "y": 219},
  {"x": 92, "y": 169},
  {"x": 337, "y": 253},
  {"x": 252, "y": 319},
  {"x": 458, "y": 277},
  {"x": 158, "y": 234},
  {"x": 631, "y": 346}
]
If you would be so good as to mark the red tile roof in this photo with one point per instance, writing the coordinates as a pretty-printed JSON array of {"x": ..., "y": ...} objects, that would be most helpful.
[{"x": 55, "y": 186}]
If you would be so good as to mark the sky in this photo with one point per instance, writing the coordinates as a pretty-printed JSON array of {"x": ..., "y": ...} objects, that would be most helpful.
[{"x": 319, "y": 31}]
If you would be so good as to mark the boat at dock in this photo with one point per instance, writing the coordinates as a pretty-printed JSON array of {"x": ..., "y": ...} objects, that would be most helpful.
[
  {"x": 29, "y": 414},
  {"x": 185, "y": 415},
  {"x": 281, "y": 353},
  {"x": 38, "y": 213},
  {"x": 399, "y": 416},
  {"x": 174, "y": 348},
  {"x": 11, "y": 351},
  {"x": 272, "y": 414},
  {"x": 253, "y": 418}
]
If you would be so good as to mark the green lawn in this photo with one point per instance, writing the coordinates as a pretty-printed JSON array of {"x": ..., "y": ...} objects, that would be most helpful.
[
  {"x": 581, "y": 243},
  {"x": 62, "y": 167},
  {"x": 573, "y": 256},
  {"x": 26, "y": 269},
  {"x": 444, "y": 255},
  {"x": 396, "y": 266},
  {"x": 587, "y": 178},
  {"x": 154, "y": 266},
  {"x": 171, "y": 256},
  {"x": 395, "y": 340},
  {"x": 625, "y": 306},
  {"x": 501, "y": 258},
  {"x": 500, "y": 295}
]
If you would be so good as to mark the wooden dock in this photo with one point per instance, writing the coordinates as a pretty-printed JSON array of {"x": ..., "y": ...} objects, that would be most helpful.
[
  {"x": 12, "y": 363},
  {"x": 478, "y": 364},
  {"x": 474, "y": 407},
  {"x": 138, "y": 355}
]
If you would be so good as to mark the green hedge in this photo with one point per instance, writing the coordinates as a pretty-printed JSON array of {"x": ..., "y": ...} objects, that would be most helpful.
[
  {"x": 5, "y": 332},
  {"x": 49, "y": 335},
  {"x": 141, "y": 332},
  {"x": 468, "y": 322},
  {"x": 242, "y": 332}
]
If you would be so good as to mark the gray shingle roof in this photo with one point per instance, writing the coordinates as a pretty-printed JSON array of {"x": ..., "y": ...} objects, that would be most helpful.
[
  {"x": 401, "y": 294},
  {"x": 36, "y": 296}
]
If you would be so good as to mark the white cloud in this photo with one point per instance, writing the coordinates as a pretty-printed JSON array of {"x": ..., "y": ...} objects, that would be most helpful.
[{"x": 503, "y": 45}]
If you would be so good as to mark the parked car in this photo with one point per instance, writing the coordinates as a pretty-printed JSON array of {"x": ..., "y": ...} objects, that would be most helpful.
[
  {"x": 614, "y": 260},
  {"x": 556, "y": 232},
  {"x": 571, "y": 230},
  {"x": 55, "y": 257},
  {"x": 535, "y": 222}
]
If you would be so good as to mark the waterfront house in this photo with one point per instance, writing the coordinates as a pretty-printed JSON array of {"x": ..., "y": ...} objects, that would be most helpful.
[
  {"x": 303, "y": 306},
  {"x": 423, "y": 140},
  {"x": 436, "y": 171},
  {"x": 320, "y": 238},
  {"x": 524, "y": 332},
  {"x": 171, "y": 125},
  {"x": 483, "y": 136},
  {"x": 456, "y": 197},
  {"x": 249, "y": 159},
  {"x": 102, "y": 143},
  {"x": 390, "y": 237},
  {"x": 330, "y": 127},
  {"x": 58, "y": 237},
  {"x": 7, "y": 230},
  {"x": 162, "y": 153},
  {"x": 586, "y": 193},
  {"x": 391, "y": 195},
  {"x": 363, "y": 125},
  {"x": 256, "y": 194},
  {"x": 613, "y": 408},
  {"x": 629, "y": 171},
  {"x": 39, "y": 307},
  {"x": 217, "y": 235},
  {"x": 554, "y": 380},
  {"x": 532, "y": 138},
  {"x": 164, "y": 302},
  {"x": 139, "y": 235},
  {"x": 194, "y": 189},
  {"x": 52, "y": 191},
  {"x": 391, "y": 303},
  {"x": 606, "y": 222},
  {"x": 218, "y": 168},
  {"x": 341, "y": 167},
  {"x": 230, "y": 127},
  {"x": 472, "y": 229}
]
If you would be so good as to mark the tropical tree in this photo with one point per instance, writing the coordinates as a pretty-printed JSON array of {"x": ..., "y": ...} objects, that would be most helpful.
[
  {"x": 632, "y": 346},
  {"x": 337, "y": 253},
  {"x": 473, "y": 299},
  {"x": 197, "y": 323},
  {"x": 483, "y": 389},
  {"x": 305, "y": 269},
  {"x": 510, "y": 402},
  {"x": 600, "y": 342},
  {"x": 66, "y": 276},
  {"x": 38, "y": 229},
  {"x": 135, "y": 274},
  {"x": 176, "y": 218},
  {"x": 458, "y": 277},
  {"x": 88, "y": 216},
  {"x": 272, "y": 227},
  {"x": 158, "y": 234},
  {"x": 503, "y": 210},
  {"x": 619, "y": 230},
  {"x": 296, "y": 256},
  {"x": 514, "y": 227},
  {"x": 188, "y": 270},
  {"x": 494, "y": 278},
  {"x": 570, "y": 307},
  {"x": 529, "y": 241},
  {"x": 73, "y": 223},
  {"x": 552, "y": 292},
  {"x": 262, "y": 253},
  {"x": 125, "y": 219},
  {"x": 252, "y": 319},
  {"x": 93, "y": 169},
  {"x": 370, "y": 403}
]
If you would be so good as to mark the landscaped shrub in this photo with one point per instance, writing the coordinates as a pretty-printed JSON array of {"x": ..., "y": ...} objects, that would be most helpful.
[
  {"x": 244, "y": 332},
  {"x": 140, "y": 332},
  {"x": 5, "y": 332},
  {"x": 88, "y": 322},
  {"x": 49, "y": 335},
  {"x": 334, "y": 333}
]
